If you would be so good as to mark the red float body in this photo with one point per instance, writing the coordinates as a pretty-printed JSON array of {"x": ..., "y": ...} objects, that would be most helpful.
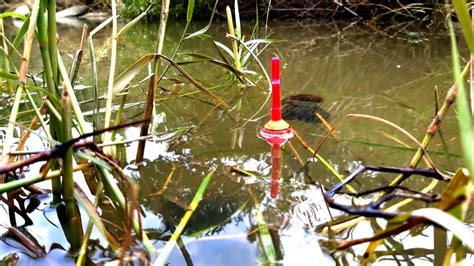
[{"x": 277, "y": 131}]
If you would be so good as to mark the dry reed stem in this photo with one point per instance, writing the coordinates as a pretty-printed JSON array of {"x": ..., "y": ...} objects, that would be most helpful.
[
  {"x": 235, "y": 48},
  {"x": 25, "y": 60},
  {"x": 214, "y": 108},
  {"x": 295, "y": 152},
  {"x": 153, "y": 82},
  {"x": 431, "y": 130},
  {"x": 435, "y": 124},
  {"x": 322, "y": 160},
  {"x": 22, "y": 80},
  {"x": 400, "y": 129},
  {"x": 328, "y": 126},
  {"x": 26, "y": 135},
  {"x": 165, "y": 185}
]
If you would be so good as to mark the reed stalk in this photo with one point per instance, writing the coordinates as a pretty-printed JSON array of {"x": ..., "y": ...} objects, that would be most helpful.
[
  {"x": 118, "y": 118},
  {"x": 39, "y": 114},
  {"x": 73, "y": 228},
  {"x": 27, "y": 181},
  {"x": 52, "y": 88},
  {"x": 322, "y": 160},
  {"x": 22, "y": 82},
  {"x": 95, "y": 81},
  {"x": 465, "y": 120},
  {"x": 81, "y": 258},
  {"x": 78, "y": 55},
  {"x": 471, "y": 76},
  {"x": 146, "y": 115},
  {"x": 52, "y": 39},
  {"x": 113, "y": 62},
  {"x": 6, "y": 62},
  {"x": 430, "y": 132},
  {"x": 150, "y": 104},
  {"x": 113, "y": 190},
  {"x": 434, "y": 125},
  {"x": 235, "y": 46}
]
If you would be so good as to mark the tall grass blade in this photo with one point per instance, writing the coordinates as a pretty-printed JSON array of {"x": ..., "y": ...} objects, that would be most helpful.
[
  {"x": 212, "y": 60},
  {"x": 165, "y": 252},
  {"x": 464, "y": 118},
  {"x": 238, "y": 27},
  {"x": 265, "y": 238},
  {"x": 235, "y": 46},
  {"x": 68, "y": 87},
  {"x": 125, "y": 78},
  {"x": 22, "y": 80},
  {"x": 113, "y": 63},
  {"x": 95, "y": 80},
  {"x": 22, "y": 32},
  {"x": 6, "y": 62},
  {"x": 449, "y": 222},
  {"x": 132, "y": 23},
  {"x": 190, "y": 10},
  {"x": 130, "y": 73},
  {"x": 13, "y": 15},
  {"x": 94, "y": 216},
  {"x": 8, "y": 76},
  {"x": 71, "y": 222},
  {"x": 206, "y": 28},
  {"x": 463, "y": 17},
  {"x": 81, "y": 258}
]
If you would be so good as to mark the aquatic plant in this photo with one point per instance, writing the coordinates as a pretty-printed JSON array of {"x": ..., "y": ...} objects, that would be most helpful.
[{"x": 452, "y": 205}]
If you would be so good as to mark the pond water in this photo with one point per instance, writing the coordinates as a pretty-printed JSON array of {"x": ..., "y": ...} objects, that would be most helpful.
[{"x": 353, "y": 68}]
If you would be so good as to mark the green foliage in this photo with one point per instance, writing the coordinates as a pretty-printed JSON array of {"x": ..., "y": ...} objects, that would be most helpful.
[{"x": 178, "y": 9}]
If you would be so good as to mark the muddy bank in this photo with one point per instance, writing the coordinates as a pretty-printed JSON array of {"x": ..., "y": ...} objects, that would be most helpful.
[{"x": 276, "y": 9}]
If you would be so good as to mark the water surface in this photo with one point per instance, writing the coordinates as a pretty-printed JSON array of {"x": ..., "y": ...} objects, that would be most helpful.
[{"x": 353, "y": 68}]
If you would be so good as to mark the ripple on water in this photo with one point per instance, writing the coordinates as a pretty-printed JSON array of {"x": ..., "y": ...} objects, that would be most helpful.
[{"x": 308, "y": 208}]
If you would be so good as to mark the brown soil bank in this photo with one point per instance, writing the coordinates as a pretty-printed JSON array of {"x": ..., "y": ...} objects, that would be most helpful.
[{"x": 365, "y": 9}]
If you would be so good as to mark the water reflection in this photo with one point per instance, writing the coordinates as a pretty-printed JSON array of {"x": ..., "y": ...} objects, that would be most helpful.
[
  {"x": 353, "y": 69},
  {"x": 276, "y": 169}
]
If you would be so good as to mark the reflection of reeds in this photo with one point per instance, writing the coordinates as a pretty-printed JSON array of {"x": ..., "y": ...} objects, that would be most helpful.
[{"x": 165, "y": 252}]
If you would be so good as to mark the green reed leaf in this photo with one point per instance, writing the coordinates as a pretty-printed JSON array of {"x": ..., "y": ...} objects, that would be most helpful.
[
  {"x": 460, "y": 6},
  {"x": 462, "y": 106},
  {"x": 449, "y": 222},
  {"x": 94, "y": 216},
  {"x": 184, "y": 221},
  {"x": 206, "y": 28},
  {"x": 189, "y": 14}
]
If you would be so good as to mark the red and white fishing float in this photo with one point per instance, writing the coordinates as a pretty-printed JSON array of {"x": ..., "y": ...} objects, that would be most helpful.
[{"x": 277, "y": 131}]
